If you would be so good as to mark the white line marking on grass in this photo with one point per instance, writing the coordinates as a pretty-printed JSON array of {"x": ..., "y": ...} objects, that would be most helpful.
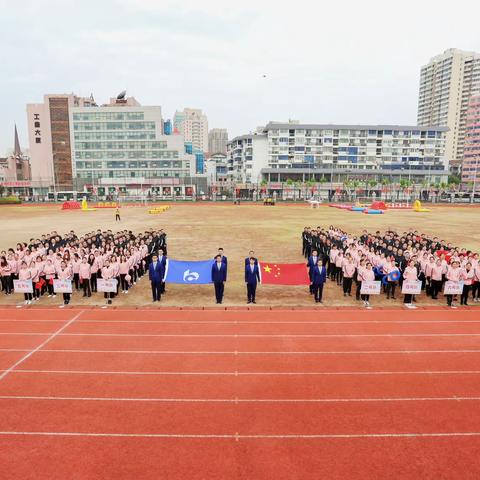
[
  {"x": 242, "y": 400},
  {"x": 237, "y": 436},
  {"x": 51, "y": 337},
  {"x": 245, "y": 374}
]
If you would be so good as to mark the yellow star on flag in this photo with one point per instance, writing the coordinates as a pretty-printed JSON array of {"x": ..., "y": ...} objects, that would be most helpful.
[{"x": 267, "y": 269}]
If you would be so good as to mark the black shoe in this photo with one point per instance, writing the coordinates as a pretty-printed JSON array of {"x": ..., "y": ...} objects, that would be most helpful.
[
  {"x": 109, "y": 302},
  {"x": 253, "y": 301},
  {"x": 249, "y": 301}
]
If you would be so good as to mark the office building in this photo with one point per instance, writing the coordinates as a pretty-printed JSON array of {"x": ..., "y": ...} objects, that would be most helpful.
[
  {"x": 192, "y": 124},
  {"x": 471, "y": 156},
  {"x": 446, "y": 84},
  {"x": 217, "y": 140}
]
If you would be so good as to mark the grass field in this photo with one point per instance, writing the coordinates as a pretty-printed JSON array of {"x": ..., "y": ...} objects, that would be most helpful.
[{"x": 195, "y": 231}]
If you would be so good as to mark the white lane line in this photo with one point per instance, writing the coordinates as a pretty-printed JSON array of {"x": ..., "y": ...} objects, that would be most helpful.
[
  {"x": 245, "y": 374},
  {"x": 252, "y": 322},
  {"x": 202, "y": 352},
  {"x": 188, "y": 335},
  {"x": 242, "y": 400},
  {"x": 29, "y": 354},
  {"x": 237, "y": 436}
]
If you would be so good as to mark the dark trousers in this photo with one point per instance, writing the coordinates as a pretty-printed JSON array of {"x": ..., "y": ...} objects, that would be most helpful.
[
  {"x": 156, "y": 291},
  {"x": 76, "y": 281},
  {"x": 86, "y": 287},
  {"x": 6, "y": 284},
  {"x": 476, "y": 290},
  {"x": 251, "y": 290},
  {"x": 357, "y": 291},
  {"x": 464, "y": 297},
  {"x": 408, "y": 298},
  {"x": 93, "y": 281},
  {"x": 123, "y": 282},
  {"x": 66, "y": 298},
  {"x": 365, "y": 298},
  {"x": 219, "y": 288},
  {"x": 318, "y": 292},
  {"x": 391, "y": 289},
  {"x": 27, "y": 296},
  {"x": 436, "y": 288},
  {"x": 449, "y": 300},
  {"x": 347, "y": 285},
  {"x": 117, "y": 217}
]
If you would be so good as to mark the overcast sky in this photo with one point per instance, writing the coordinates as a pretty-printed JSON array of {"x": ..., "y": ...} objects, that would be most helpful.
[{"x": 338, "y": 61}]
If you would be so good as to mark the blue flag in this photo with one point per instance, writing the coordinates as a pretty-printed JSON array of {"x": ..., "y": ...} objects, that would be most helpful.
[{"x": 177, "y": 271}]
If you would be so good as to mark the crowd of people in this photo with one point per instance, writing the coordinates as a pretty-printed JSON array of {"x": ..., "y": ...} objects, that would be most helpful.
[
  {"x": 83, "y": 260},
  {"x": 391, "y": 257}
]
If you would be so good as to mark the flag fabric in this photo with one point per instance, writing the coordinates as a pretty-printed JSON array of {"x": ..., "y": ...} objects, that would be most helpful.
[
  {"x": 177, "y": 271},
  {"x": 283, "y": 273}
]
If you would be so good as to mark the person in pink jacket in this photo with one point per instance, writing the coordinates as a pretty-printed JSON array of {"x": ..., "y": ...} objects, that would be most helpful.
[
  {"x": 467, "y": 275},
  {"x": 453, "y": 275},
  {"x": 85, "y": 274},
  {"x": 476, "y": 283},
  {"x": 50, "y": 274},
  {"x": 437, "y": 278},
  {"x": 366, "y": 275},
  {"x": 124, "y": 268},
  {"x": 410, "y": 275},
  {"x": 6, "y": 275},
  {"x": 65, "y": 274},
  {"x": 348, "y": 271},
  {"x": 25, "y": 274},
  {"x": 108, "y": 274}
]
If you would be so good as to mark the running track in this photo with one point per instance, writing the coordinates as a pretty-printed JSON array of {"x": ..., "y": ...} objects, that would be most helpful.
[{"x": 239, "y": 394}]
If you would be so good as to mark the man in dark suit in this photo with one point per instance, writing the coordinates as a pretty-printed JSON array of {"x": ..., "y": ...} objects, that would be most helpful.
[
  {"x": 219, "y": 277},
  {"x": 251, "y": 254},
  {"x": 319, "y": 277},
  {"x": 163, "y": 261},
  {"x": 252, "y": 277},
  {"x": 312, "y": 262},
  {"x": 224, "y": 258},
  {"x": 156, "y": 272}
]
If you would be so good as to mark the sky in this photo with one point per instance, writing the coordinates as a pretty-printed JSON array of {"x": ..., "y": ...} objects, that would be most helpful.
[{"x": 243, "y": 63}]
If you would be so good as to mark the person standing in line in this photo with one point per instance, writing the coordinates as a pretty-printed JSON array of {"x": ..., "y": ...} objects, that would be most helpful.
[
  {"x": 25, "y": 274},
  {"x": 219, "y": 277},
  {"x": 311, "y": 264},
  {"x": 65, "y": 273},
  {"x": 360, "y": 269},
  {"x": 117, "y": 214},
  {"x": 476, "y": 283},
  {"x": 436, "y": 278},
  {"x": 348, "y": 270},
  {"x": 467, "y": 275},
  {"x": 251, "y": 254},
  {"x": 452, "y": 275},
  {"x": 389, "y": 268},
  {"x": 156, "y": 272},
  {"x": 319, "y": 277},
  {"x": 366, "y": 275},
  {"x": 85, "y": 275},
  {"x": 163, "y": 261},
  {"x": 224, "y": 258},
  {"x": 123, "y": 273},
  {"x": 252, "y": 277},
  {"x": 50, "y": 272},
  {"x": 108, "y": 273},
  {"x": 410, "y": 274},
  {"x": 6, "y": 272}
]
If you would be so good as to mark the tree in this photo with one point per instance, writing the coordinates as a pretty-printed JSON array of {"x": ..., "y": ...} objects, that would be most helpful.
[
  {"x": 2, "y": 190},
  {"x": 454, "y": 180}
]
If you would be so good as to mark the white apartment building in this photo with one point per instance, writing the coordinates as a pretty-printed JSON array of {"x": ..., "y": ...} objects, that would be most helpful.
[
  {"x": 247, "y": 155},
  {"x": 446, "y": 84},
  {"x": 193, "y": 125}
]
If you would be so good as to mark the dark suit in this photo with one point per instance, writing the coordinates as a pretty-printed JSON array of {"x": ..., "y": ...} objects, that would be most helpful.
[
  {"x": 319, "y": 277},
  {"x": 311, "y": 264},
  {"x": 247, "y": 261},
  {"x": 219, "y": 276},
  {"x": 156, "y": 272},
  {"x": 251, "y": 279}
]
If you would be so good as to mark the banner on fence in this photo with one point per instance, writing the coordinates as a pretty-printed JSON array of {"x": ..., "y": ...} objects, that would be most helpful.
[
  {"x": 107, "y": 285},
  {"x": 371, "y": 288},
  {"x": 453, "y": 288},
  {"x": 412, "y": 287},
  {"x": 22, "y": 286},
  {"x": 62, "y": 286}
]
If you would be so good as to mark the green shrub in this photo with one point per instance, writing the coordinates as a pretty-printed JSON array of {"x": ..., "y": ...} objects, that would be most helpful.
[{"x": 9, "y": 200}]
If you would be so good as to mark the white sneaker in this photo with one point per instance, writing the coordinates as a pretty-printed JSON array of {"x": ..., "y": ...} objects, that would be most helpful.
[
  {"x": 61, "y": 306},
  {"x": 368, "y": 303},
  {"x": 126, "y": 292},
  {"x": 25, "y": 302},
  {"x": 54, "y": 295},
  {"x": 49, "y": 296},
  {"x": 29, "y": 302}
]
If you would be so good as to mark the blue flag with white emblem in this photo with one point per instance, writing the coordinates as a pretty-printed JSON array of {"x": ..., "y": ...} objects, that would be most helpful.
[{"x": 177, "y": 271}]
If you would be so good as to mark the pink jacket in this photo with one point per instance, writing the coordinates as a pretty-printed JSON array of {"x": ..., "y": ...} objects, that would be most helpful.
[
  {"x": 49, "y": 271},
  {"x": 453, "y": 274},
  {"x": 66, "y": 274},
  {"x": 437, "y": 272},
  {"x": 410, "y": 273},
  {"x": 24, "y": 274},
  {"x": 85, "y": 272}
]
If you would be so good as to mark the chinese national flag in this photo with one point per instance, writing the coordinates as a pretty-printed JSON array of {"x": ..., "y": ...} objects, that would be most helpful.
[{"x": 283, "y": 273}]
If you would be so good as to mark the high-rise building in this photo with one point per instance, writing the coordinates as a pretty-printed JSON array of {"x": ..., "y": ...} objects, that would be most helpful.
[
  {"x": 193, "y": 125},
  {"x": 471, "y": 155},
  {"x": 217, "y": 141},
  {"x": 305, "y": 151},
  {"x": 446, "y": 84}
]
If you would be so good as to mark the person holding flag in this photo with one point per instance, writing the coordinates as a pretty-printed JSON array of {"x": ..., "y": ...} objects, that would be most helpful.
[
  {"x": 219, "y": 276},
  {"x": 252, "y": 277}
]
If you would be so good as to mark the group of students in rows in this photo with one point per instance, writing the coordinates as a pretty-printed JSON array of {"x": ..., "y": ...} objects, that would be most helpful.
[
  {"x": 83, "y": 260},
  {"x": 391, "y": 257}
]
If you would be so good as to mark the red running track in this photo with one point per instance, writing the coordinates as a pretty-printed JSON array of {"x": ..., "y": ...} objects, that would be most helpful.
[{"x": 239, "y": 394}]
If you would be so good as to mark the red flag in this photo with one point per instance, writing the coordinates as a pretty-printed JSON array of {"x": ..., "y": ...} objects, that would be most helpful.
[{"x": 283, "y": 273}]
